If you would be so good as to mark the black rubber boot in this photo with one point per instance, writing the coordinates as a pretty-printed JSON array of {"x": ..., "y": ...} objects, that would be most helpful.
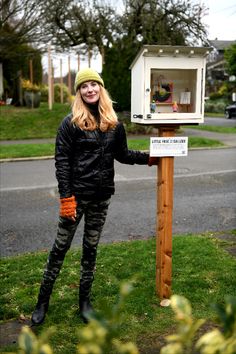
[
  {"x": 41, "y": 307},
  {"x": 39, "y": 313},
  {"x": 85, "y": 306},
  {"x": 86, "y": 309}
]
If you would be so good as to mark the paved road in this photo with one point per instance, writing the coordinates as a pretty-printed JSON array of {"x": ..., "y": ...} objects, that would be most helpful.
[
  {"x": 220, "y": 121},
  {"x": 205, "y": 199}
]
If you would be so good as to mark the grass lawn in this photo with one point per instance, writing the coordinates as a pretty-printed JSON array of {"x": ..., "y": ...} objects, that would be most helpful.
[
  {"x": 214, "y": 128},
  {"x": 26, "y": 150},
  {"x": 194, "y": 142},
  {"x": 25, "y": 123},
  {"x": 219, "y": 115},
  {"x": 203, "y": 272},
  {"x": 47, "y": 149}
]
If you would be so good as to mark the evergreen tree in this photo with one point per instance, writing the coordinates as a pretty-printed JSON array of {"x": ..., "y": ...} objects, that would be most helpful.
[
  {"x": 230, "y": 57},
  {"x": 19, "y": 30},
  {"x": 148, "y": 22},
  {"x": 17, "y": 60}
]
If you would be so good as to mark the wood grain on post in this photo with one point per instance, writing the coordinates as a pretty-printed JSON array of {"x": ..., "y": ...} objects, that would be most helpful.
[
  {"x": 69, "y": 76},
  {"x": 165, "y": 187},
  {"x": 49, "y": 78},
  {"x": 61, "y": 82},
  {"x": 78, "y": 62},
  {"x": 31, "y": 71},
  {"x": 52, "y": 80}
]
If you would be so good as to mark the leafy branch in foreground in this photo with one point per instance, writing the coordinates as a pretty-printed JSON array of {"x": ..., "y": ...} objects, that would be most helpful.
[
  {"x": 101, "y": 334},
  {"x": 30, "y": 344},
  {"x": 214, "y": 342}
]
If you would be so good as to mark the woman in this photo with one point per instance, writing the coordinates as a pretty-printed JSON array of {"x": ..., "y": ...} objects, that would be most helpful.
[{"x": 87, "y": 143}]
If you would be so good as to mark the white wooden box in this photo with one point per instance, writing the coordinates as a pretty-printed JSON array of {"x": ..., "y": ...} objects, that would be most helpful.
[{"x": 168, "y": 85}]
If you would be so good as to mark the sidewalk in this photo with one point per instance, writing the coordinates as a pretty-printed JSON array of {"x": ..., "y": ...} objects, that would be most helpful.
[{"x": 228, "y": 139}]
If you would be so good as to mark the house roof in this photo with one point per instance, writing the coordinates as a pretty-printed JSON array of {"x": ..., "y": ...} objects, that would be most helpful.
[
  {"x": 215, "y": 64},
  {"x": 221, "y": 45}
]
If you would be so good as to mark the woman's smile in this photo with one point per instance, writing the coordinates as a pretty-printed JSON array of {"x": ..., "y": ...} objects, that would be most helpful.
[{"x": 90, "y": 92}]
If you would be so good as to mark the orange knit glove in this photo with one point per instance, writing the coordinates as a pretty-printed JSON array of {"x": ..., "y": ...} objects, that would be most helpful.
[
  {"x": 68, "y": 207},
  {"x": 153, "y": 161}
]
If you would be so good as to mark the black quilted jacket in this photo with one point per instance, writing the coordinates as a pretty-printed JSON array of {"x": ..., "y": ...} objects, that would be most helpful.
[{"x": 85, "y": 160}]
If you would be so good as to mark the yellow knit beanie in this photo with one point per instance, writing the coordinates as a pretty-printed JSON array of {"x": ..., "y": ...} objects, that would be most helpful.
[{"x": 87, "y": 74}]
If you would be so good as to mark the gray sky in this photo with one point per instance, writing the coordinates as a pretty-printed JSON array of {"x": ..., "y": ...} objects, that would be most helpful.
[{"x": 220, "y": 19}]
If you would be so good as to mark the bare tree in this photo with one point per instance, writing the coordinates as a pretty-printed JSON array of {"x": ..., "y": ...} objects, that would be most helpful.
[
  {"x": 80, "y": 24},
  {"x": 165, "y": 21},
  {"x": 19, "y": 24},
  {"x": 94, "y": 25}
]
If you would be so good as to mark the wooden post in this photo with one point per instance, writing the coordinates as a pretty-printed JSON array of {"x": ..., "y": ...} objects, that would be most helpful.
[
  {"x": 89, "y": 57},
  {"x": 52, "y": 80},
  {"x": 103, "y": 56},
  {"x": 165, "y": 189},
  {"x": 31, "y": 71},
  {"x": 61, "y": 81},
  {"x": 1, "y": 82},
  {"x": 49, "y": 78},
  {"x": 31, "y": 80},
  {"x": 19, "y": 87},
  {"x": 78, "y": 62},
  {"x": 69, "y": 76}
]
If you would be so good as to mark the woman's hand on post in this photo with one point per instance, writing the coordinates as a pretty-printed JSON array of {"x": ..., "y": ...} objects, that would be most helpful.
[
  {"x": 153, "y": 161},
  {"x": 68, "y": 208}
]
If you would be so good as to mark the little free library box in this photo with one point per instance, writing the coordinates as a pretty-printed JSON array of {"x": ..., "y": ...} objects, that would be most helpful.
[{"x": 168, "y": 85}]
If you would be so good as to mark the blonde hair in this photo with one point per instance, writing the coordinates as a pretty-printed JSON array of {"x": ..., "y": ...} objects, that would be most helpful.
[{"x": 86, "y": 121}]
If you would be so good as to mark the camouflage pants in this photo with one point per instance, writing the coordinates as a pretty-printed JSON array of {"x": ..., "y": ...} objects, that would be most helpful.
[{"x": 94, "y": 213}]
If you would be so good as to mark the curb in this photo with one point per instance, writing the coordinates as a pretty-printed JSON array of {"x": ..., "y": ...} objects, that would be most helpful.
[{"x": 35, "y": 158}]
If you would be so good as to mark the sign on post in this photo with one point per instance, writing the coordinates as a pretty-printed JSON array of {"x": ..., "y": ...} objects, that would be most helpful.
[{"x": 168, "y": 146}]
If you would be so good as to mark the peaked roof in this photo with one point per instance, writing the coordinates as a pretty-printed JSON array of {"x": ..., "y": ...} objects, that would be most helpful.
[{"x": 220, "y": 44}]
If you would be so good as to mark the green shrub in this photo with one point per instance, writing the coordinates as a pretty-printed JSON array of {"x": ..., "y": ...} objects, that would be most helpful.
[
  {"x": 100, "y": 336},
  {"x": 215, "y": 106},
  {"x": 44, "y": 93},
  {"x": 57, "y": 93},
  {"x": 30, "y": 344},
  {"x": 132, "y": 128},
  {"x": 215, "y": 95},
  {"x": 102, "y": 332},
  {"x": 224, "y": 92},
  {"x": 217, "y": 341}
]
